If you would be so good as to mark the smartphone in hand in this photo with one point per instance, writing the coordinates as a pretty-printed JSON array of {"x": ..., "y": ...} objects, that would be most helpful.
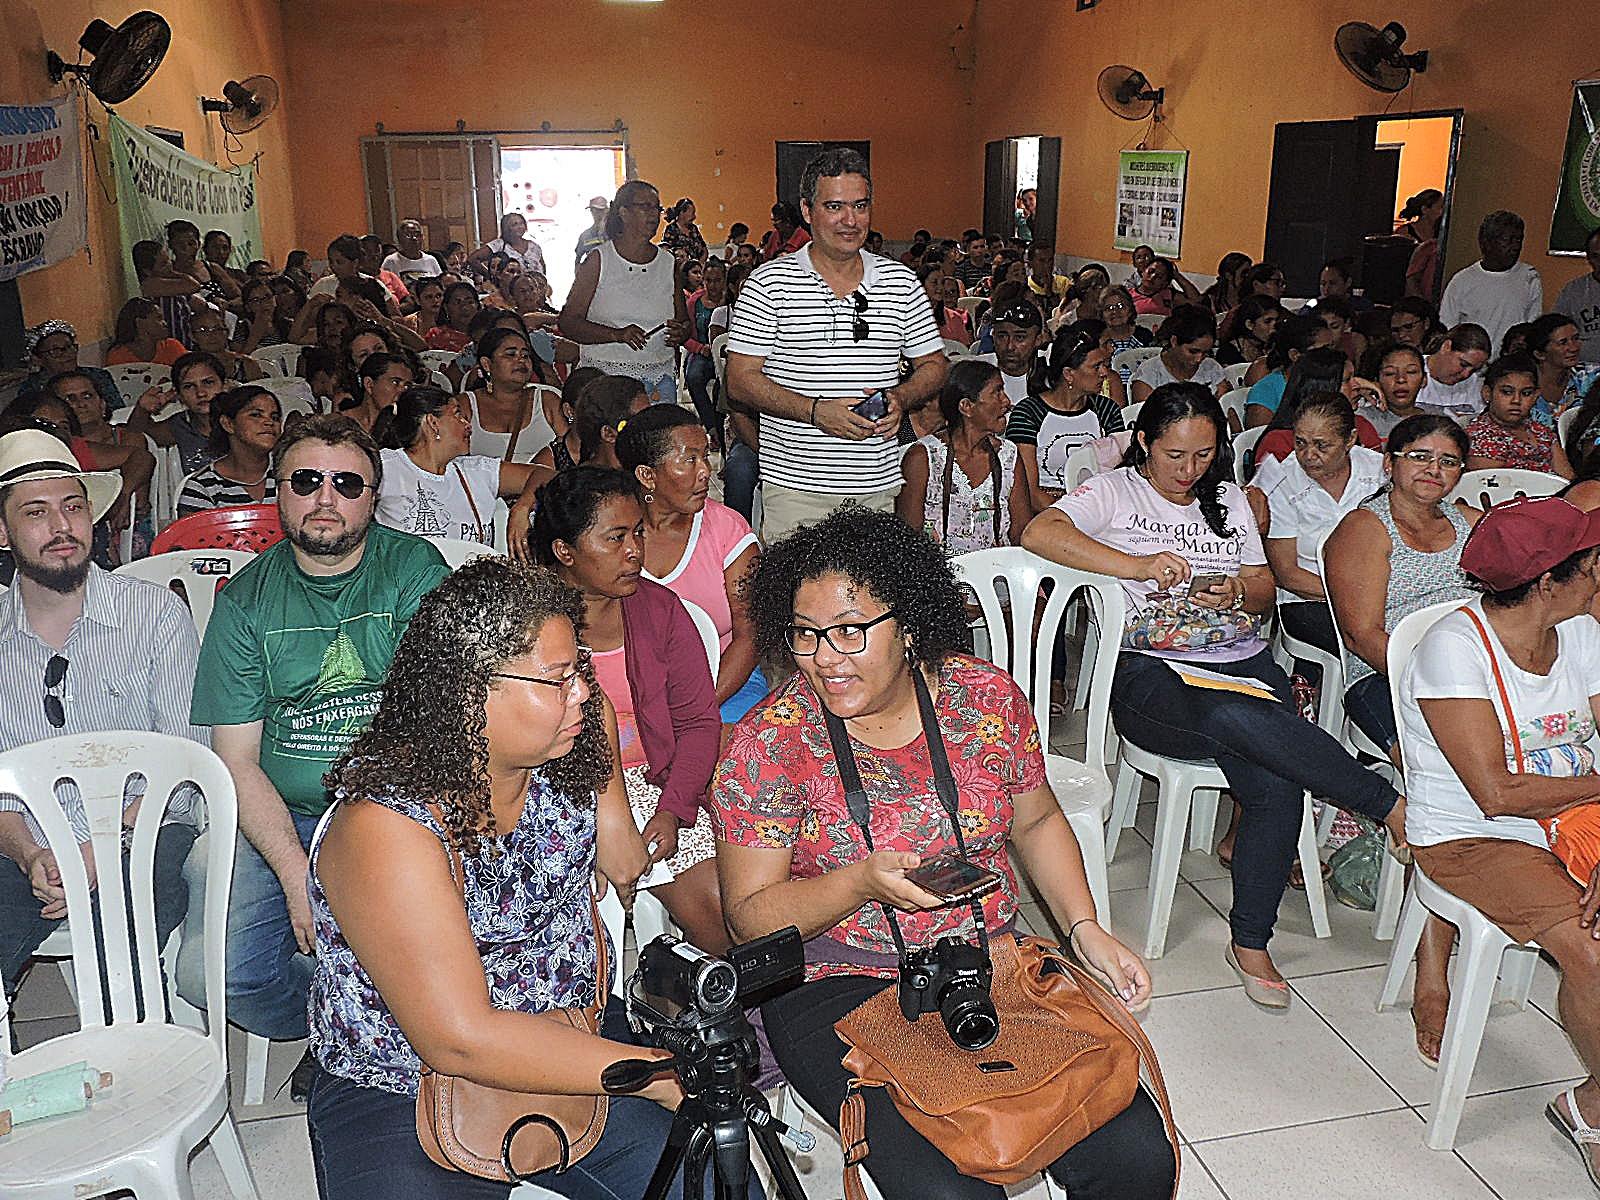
[
  {"x": 1207, "y": 583},
  {"x": 874, "y": 408},
  {"x": 953, "y": 879}
]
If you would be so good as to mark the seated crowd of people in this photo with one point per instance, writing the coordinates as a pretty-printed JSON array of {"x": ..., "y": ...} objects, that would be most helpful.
[{"x": 548, "y": 712}]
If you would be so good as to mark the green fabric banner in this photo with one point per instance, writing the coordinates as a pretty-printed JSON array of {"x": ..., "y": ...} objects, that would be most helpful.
[
  {"x": 157, "y": 183},
  {"x": 1578, "y": 193}
]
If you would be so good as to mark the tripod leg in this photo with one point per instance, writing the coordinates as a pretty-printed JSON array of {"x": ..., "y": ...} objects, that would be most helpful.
[
  {"x": 730, "y": 1139},
  {"x": 784, "y": 1177},
  {"x": 681, "y": 1139},
  {"x": 694, "y": 1164}
]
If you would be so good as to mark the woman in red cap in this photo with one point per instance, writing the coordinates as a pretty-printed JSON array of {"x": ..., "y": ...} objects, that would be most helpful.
[{"x": 1498, "y": 713}]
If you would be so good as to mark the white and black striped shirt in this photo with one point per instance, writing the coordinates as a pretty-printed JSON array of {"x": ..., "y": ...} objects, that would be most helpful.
[
  {"x": 788, "y": 316},
  {"x": 207, "y": 489},
  {"x": 132, "y": 656}
]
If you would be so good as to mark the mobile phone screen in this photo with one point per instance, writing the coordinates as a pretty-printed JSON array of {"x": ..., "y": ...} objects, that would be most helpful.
[
  {"x": 874, "y": 408},
  {"x": 952, "y": 878},
  {"x": 1205, "y": 583}
]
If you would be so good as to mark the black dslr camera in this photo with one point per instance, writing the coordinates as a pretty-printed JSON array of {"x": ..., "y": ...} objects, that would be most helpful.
[{"x": 952, "y": 978}]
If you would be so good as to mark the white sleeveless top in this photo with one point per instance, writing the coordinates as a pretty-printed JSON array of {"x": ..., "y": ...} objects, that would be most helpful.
[
  {"x": 535, "y": 436},
  {"x": 630, "y": 294}
]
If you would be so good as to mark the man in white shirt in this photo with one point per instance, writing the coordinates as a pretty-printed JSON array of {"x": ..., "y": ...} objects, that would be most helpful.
[
  {"x": 1497, "y": 291},
  {"x": 1018, "y": 334},
  {"x": 1580, "y": 300},
  {"x": 411, "y": 260},
  {"x": 1454, "y": 383},
  {"x": 817, "y": 334}
]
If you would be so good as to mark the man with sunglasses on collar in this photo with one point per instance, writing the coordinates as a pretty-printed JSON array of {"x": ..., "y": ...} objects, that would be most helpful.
[
  {"x": 81, "y": 650},
  {"x": 293, "y": 662},
  {"x": 815, "y": 345}
]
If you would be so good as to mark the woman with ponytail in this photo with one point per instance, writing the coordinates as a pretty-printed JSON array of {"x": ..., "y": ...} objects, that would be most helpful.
[{"x": 1172, "y": 525}]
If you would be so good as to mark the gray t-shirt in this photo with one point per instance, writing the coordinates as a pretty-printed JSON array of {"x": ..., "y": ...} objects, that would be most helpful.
[{"x": 1580, "y": 300}]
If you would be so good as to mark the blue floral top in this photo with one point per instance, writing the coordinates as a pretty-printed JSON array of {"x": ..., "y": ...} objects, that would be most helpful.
[{"x": 530, "y": 914}]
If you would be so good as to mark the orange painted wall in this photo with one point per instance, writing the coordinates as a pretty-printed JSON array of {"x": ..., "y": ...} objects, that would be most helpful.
[
  {"x": 212, "y": 43},
  {"x": 1234, "y": 68},
  {"x": 705, "y": 87},
  {"x": 1424, "y": 154}
]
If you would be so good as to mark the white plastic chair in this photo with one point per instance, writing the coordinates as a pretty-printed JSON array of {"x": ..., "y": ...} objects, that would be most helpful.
[
  {"x": 719, "y": 360},
  {"x": 1130, "y": 413},
  {"x": 280, "y": 359},
  {"x": 1242, "y": 446},
  {"x": 170, "y": 1083},
  {"x": 1564, "y": 425},
  {"x": 1235, "y": 377},
  {"x": 1081, "y": 464},
  {"x": 134, "y": 379},
  {"x": 1082, "y": 789},
  {"x": 294, "y": 394},
  {"x": 437, "y": 360},
  {"x": 956, "y": 349},
  {"x": 202, "y": 573},
  {"x": 709, "y": 638},
  {"x": 971, "y": 304},
  {"x": 457, "y": 551},
  {"x": 1130, "y": 359},
  {"x": 1233, "y": 406},
  {"x": 1150, "y": 321},
  {"x": 1484, "y": 489},
  {"x": 1486, "y": 953}
]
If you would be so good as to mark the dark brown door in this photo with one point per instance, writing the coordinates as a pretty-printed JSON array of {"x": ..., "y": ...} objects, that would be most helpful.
[{"x": 1326, "y": 177}]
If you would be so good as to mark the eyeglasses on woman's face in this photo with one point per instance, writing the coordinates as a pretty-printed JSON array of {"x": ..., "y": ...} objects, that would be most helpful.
[
  {"x": 568, "y": 683},
  {"x": 849, "y": 637},
  {"x": 1427, "y": 458}
]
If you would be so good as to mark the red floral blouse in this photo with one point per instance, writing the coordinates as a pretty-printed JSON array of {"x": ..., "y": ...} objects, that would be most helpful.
[
  {"x": 777, "y": 788},
  {"x": 1492, "y": 441}
]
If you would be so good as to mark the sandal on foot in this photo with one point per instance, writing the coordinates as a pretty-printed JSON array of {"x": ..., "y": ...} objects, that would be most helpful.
[
  {"x": 1575, "y": 1129},
  {"x": 1225, "y": 861},
  {"x": 1265, "y": 993},
  {"x": 1421, "y": 1032},
  {"x": 1297, "y": 876}
]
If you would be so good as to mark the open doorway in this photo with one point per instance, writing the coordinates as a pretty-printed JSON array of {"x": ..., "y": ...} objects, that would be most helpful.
[
  {"x": 551, "y": 186},
  {"x": 1021, "y": 176}
]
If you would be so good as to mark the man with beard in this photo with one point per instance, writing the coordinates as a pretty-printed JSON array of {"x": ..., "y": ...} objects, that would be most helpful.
[
  {"x": 105, "y": 652},
  {"x": 293, "y": 662}
]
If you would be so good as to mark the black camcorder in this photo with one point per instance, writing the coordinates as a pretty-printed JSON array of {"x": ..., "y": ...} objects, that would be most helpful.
[{"x": 952, "y": 977}]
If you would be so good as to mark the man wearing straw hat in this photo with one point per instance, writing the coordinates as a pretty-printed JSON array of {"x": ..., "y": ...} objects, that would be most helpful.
[{"x": 81, "y": 650}]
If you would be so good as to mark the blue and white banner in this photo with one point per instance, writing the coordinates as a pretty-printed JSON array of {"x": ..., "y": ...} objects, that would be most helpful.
[{"x": 43, "y": 212}]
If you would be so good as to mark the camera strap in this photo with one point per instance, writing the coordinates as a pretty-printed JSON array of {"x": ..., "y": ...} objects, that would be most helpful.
[{"x": 944, "y": 784}]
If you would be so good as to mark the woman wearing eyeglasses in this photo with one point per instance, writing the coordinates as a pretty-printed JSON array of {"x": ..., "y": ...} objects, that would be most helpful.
[
  {"x": 432, "y": 486},
  {"x": 868, "y": 611},
  {"x": 651, "y": 664},
  {"x": 626, "y": 309},
  {"x": 1394, "y": 555}
]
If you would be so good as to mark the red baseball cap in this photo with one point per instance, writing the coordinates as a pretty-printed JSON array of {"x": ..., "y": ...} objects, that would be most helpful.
[{"x": 1518, "y": 541}]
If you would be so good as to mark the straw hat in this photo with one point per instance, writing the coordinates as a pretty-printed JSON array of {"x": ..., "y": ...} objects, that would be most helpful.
[{"x": 29, "y": 455}]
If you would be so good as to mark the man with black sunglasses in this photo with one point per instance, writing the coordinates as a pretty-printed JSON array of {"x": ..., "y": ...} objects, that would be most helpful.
[
  {"x": 294, "y": 659},
  {"x": 80, "y": 650}
]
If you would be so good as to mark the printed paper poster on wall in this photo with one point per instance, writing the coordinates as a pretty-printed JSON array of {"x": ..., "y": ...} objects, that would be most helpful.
[
  {"x": 157, "y": 183},
  {"x": 43, "y": 215},
  {"x": 1578, "y": 192},
  {"x": 1150, "y": 193}
]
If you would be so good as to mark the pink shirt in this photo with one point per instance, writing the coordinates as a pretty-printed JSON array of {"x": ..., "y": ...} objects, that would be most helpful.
[
  {"x": 611, "y": 673},
  {"x": 1159, "y": 305},
  {"x": 717, "y": 538}
]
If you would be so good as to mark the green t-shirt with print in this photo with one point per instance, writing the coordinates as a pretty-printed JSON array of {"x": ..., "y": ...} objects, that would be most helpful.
[{"x": 307, "y": 655}]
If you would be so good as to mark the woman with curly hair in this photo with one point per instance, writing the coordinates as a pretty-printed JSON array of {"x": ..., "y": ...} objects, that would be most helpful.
[
  {"x": 1171, "y": 525},
  {"x": 868, "y": 611},
  {"x": 484, "y": 759},
  {"x": 651, "y": 664}
]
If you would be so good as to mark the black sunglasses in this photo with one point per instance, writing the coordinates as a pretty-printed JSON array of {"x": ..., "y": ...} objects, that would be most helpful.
[
  {"x": 55, "y": 674},
  {"x": 308, "y": 480},
  {"x": 858, "y": 330}
]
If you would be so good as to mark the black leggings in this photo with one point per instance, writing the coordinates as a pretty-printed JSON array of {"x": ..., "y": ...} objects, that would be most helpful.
[{"x": 1128, "y": 1158}]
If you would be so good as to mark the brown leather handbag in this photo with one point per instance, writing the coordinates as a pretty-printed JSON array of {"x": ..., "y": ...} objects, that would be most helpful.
[{"x": 508, "y": 1136}]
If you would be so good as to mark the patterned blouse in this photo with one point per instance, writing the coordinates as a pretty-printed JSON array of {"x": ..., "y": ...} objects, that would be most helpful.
[
  {"x": 777, "y": 788},
  {"x": 530, "y": 914},
  {"x": 1493, "y": 441}
]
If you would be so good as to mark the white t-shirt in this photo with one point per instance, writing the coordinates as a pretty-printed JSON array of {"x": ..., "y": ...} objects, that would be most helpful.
[
  {"x": 1016, "y": 386},
  {"x": 328, "y": 285},
  {"x": 1302, "y": 508},
  {"x": 532, "y": 259},
  {"x": 1580, "y": 300},
  {"x": 403, "y": 266},
  {"x": 1554, "y": 720},
  {"x": 1121, "y": 510},
  {"x": 1154, "y": 372},
  {"x": 535, "y": 436},
  {"x": 439, "y": 506},
  {"x": 1497, "y": 300},
  {"x": 1459, "y": 401}
]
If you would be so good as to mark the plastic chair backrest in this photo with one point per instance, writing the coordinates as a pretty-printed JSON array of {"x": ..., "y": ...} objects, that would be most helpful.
[
  {"x": 1150, "y": 321},
  {"x": 134, "y": 379},
  {"x": 248, "y": 527},
  {"x": 1129, "y": 360},
  {"x": 100, "y": 764},
  {"x": 719, "y": 356},
  {"x": 955, "y": 349},
  {"x": 1564, "y": 425},
  {"x": 1484, "y": 489},
  {"x": 1403, "y": 640},
  {"x": 294, "y": 394},
  {"x": 1081, "y": 464},
  {"x": 1130, "y": 413},
  {"x": 1235, "y": 376},
  {"x": 971, "y": 304},
  {"x": 437, "y": 360},
  {"x": 457, "y": 551},
  {"x": 280, "y": 358},
  {"x": 709, "y": 637},
  {"x": 201, "y": 572},
  {"x": 1025, "y": 649},
  {"x": 1242, "y": 445},
  {"x": 1233, "y": 404}
]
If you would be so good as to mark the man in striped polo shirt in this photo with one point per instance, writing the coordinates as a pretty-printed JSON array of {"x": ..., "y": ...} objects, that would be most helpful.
[{"x": 816, "y": 335}]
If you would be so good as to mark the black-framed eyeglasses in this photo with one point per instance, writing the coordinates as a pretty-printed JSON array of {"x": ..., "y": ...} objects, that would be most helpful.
[
  {"x": 55, "y": 675},
  {"x": 568, "y": 683},
  {"x": 858, "y": 328},
  {"x": 308, "y": 481},
  {"x": 847, "y": 638}
]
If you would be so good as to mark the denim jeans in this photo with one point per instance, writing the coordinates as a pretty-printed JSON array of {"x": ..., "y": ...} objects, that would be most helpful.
[
  {"x": 1270, "y": 755},
  {"x": 268, "y": 977},
  {"x": 1371, "y": 708},
  {"x": 23, "y": 929},
  {"x": 741, "y": 471},
  {"x": 364, "y": 1147},
  {"x": 699, "y": 372}
]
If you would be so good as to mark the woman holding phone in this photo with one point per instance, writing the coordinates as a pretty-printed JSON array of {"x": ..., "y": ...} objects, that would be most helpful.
[{"x": 626, "y": 309}]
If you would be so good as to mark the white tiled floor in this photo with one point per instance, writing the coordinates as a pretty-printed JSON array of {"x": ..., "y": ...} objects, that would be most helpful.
[{"x": 1325, "y": 1101}]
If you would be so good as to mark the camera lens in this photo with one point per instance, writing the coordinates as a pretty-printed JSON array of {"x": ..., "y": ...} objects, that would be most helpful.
[
  {"x": 716, "y": 986},
  {"x": 969, "y": 1015}
]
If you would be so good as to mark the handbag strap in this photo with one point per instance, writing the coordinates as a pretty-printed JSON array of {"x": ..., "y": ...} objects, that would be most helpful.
[
  {"x": 949, "y": 479},
  {"x": 1500, "y": 684},
  {"x": 477, "y": 518},
  {"x": 944, "y": 784},
  {"x": 517, "y": 423}
]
